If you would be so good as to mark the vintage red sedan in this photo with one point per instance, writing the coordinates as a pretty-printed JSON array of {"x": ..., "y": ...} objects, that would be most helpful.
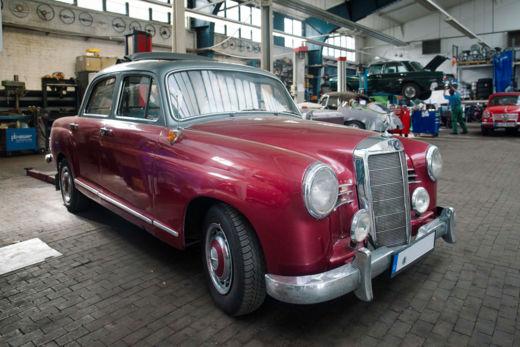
[
  {"x": 196, "y": 151},
  {"x": 502, "y": 112}
]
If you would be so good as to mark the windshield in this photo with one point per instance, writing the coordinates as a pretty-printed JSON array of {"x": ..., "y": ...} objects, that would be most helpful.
[
  {"x": 416, "y": 66},
  {"x": 505, "y": 100},
  {"x": 208, "y": 92}
]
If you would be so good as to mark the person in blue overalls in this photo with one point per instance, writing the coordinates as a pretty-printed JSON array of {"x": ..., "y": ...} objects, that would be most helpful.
[{"x": 457, "y": 115}]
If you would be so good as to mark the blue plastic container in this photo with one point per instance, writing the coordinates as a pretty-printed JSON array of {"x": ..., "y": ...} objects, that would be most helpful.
[
  {"x": 425, "y": 122},
  {"x": 20, "y": 139}
]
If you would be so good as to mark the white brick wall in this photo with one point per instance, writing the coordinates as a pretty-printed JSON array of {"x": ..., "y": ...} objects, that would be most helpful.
[{"x": 32, "y": 54}]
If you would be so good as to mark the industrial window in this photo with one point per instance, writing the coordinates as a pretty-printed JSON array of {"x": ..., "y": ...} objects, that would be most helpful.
[
  {"x": 137, "y": 8},
  {"x": 343, "y": 42},
  {"x": 139, "y": 99},
  {"x": 246, "y": 14},
  {"x": 293, "y": 27},
  {"x": 100, "y": 102}
]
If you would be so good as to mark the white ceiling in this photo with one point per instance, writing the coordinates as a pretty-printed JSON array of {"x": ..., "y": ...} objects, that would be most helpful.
[{"x": 401, "y": 12}]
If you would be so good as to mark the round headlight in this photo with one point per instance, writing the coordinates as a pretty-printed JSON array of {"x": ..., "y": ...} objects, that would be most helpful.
[
  {"x": 434, "y": 162},
  {"x": 320, "y": 190},
  {"x": 360, "y": 226},
  {"x": 420, "y": 200}
]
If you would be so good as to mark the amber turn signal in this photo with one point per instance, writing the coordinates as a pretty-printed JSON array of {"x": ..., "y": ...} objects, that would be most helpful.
[{"x": 173, "y": 135}]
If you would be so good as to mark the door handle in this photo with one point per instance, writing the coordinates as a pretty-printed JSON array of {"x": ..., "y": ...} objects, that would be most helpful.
[
  {"x": 73, "y": 126},
  {"x": 104, "y": 131}
]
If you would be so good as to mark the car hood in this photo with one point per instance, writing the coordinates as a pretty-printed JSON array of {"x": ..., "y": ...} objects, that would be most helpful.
[
  {"x": 504, "y": 109},
  {"x": 435, "y": 62},
  {"x": 327, "y": 142}
]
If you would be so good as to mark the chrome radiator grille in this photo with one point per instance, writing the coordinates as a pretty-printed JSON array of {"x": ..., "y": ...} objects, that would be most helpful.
[{"x": 388, "y": 195}]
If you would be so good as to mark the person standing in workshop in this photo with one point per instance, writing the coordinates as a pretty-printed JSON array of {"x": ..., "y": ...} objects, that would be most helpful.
[{"x": 457, "y": 116}]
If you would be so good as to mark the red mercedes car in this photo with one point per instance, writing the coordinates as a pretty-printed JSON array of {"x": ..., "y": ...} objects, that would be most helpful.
[
  {"x": 502, "y": 112},
  {"x": 196, "y": 151}
]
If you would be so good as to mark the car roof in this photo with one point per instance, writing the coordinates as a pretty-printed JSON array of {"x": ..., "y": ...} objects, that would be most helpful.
[{"x": 161, "y": 67}]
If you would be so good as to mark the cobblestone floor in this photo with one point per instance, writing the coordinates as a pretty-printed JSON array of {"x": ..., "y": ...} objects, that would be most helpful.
[{"x": 117, "y": 285}]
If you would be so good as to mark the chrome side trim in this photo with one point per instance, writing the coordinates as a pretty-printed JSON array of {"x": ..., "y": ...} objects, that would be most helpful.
[
  {"x": 345, "y": 194},
  {"x": 126, "y": 208},
  {"x": 412, "y": 176},
  {"x": 356, "y": 275},
  {"x": 165, "y": 228},
  {"x": 86, "y": 186}
]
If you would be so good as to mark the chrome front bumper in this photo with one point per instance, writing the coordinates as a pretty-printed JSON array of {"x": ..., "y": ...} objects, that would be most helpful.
[{"x": 355, "y": 276}]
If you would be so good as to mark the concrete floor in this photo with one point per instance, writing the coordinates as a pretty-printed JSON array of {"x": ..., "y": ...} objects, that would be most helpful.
[{"x": 117, "y": 285}]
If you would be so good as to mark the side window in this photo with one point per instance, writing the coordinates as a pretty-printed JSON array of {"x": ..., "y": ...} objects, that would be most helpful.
[
  {"x": 390, "y": 68},
  {"x": 375, "y": 69},
  {"x": 401, "y": 68},
  {"x": 139, "y": 98},
  {"x": 100, "y": 101}
]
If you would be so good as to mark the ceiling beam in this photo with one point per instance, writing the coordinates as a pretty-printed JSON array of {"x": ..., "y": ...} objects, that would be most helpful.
[
  {"x": 455, "y": 23},
  {"x": 336, "y": 20}
]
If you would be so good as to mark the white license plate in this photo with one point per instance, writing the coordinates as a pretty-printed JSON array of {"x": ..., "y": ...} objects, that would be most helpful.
[
  {"x": 505, "y": 124},
  {"x": 409, "y": 255}
]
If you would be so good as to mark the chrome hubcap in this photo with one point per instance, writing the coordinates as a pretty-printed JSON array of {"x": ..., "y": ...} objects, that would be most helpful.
[
  {"x": 354, "y": 125},
  {"x": 218, "y": 258},
  {"x": 409, "y": 92},
  {"x": 66, "y": 184}
]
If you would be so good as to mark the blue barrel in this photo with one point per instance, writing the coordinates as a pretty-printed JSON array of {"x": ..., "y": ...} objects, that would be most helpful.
[{"x": 426, "y": 122}]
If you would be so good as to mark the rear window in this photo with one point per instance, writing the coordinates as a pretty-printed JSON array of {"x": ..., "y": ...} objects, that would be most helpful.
[
  {"x": 100, "y": 102},
  {"x": 505, "y": 100}
]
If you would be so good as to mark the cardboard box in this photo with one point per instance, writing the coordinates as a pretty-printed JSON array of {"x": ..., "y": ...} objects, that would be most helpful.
[
  {"x": 107, "y": 61},
  {"x": 88, "y": 63}
]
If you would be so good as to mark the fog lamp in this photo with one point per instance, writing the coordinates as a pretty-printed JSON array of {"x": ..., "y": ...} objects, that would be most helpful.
[
  {"x": 360, "y": 226},
  {"x": 420, "y": 200}
]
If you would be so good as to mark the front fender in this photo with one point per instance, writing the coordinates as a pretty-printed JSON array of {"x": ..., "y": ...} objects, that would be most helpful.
[{"x": 260, "y": 181}]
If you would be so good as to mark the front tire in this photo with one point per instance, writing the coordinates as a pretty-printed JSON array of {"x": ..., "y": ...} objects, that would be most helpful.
[
  {"x": 73, "y": 199},
  {"x": 233, "y": 261},
  {"x": 411, "y": 90}
]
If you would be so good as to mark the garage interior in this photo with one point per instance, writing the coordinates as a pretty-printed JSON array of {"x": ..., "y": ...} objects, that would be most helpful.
[{"x": 94, "y": 278}]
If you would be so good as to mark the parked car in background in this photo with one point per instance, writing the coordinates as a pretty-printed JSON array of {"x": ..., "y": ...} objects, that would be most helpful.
[
  {"x": 331, "y": 101},
  {"x": 357, "y": 113},
  {"x": 407, "y": 78},
  {"x": 196, "y": 151},
  {"x": 502, "y": 112}
]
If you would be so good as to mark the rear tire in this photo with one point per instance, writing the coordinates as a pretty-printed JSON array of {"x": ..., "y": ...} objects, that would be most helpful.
[
  {"x": 73, "y": 199},
  {"x": 233, "y": 261},
  {"x": 355, "y": 124}
]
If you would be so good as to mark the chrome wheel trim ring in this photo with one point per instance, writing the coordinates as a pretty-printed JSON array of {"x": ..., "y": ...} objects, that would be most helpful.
[
  {"x": 218, "y": 259},
  {"x": 410, "y": 92},
  {"x": 66, "y": 185}
]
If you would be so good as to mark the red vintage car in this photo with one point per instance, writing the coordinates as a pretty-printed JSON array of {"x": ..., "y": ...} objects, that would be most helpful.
[
  {"x": 502, "y": 112},
  {"x": 196, "y": 151}
]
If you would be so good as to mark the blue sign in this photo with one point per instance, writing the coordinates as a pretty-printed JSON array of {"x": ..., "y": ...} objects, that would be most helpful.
[{"x": 21, "y": 139}]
